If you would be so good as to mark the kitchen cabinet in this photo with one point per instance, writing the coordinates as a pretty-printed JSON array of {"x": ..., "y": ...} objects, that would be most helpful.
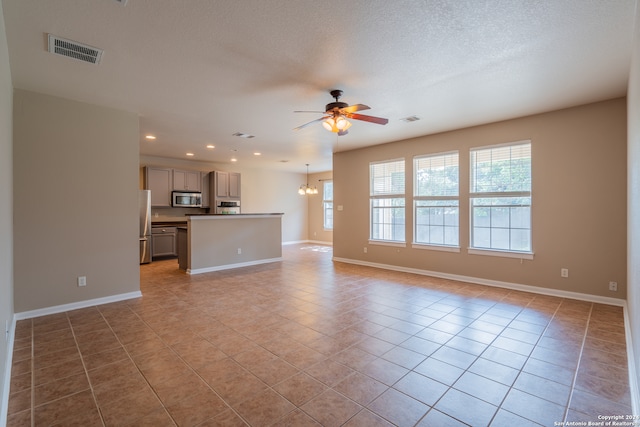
[
  {"x": 226, "y": 185},
  {"x": 205, "y": 190},
  {"x": 164, "y": 241},
  {"x": 186, "y": 180},
  {"x": 183, "y": 248},
  {"x": 160, "y": 182}
]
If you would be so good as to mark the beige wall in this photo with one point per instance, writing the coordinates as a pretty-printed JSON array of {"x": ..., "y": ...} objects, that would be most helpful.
[
  {"x": 214, "y": 241},
  {"x": 633, "y": 215},
  {"x": 578, "y": 211},
  {"x": 317, "y": 233},
  {"x": 6, "y": 210},
  {"x": 262, "y": 191},
  {"x": 75, "y": 201}
]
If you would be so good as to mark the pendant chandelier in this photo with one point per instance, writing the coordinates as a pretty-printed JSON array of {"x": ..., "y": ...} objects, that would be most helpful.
[{"x": 305, "y": 188}]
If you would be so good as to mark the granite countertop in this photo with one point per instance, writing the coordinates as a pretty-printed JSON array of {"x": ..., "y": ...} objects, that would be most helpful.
[{"x": 168, "y": 219}]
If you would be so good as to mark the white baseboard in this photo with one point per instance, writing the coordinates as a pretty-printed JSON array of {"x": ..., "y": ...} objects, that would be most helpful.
[
  {"x": 320, "y": 242},
  {"x": 76, "y": 305},
  {"x": 4, "y": 405},
  {"x": 316, "y": 242},
  {"x": 495, "y": 283},
  {"x": 293, "y": 242},
  {"x": 230, "y": 266}
]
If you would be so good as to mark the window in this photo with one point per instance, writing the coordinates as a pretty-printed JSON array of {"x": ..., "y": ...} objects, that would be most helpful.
[
  {"x": 501, "y": 198},
  {"x": 387, "y": 185},
  {"x": 436, "y": 204},
  {"x": 327, "y": 204}
]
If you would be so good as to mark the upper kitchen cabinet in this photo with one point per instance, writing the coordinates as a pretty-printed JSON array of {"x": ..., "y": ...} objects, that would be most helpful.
[
  {"x": 160, "y": 182},
  {"x": 187, "y": 180},
  {"x": 226, "y": 185}
]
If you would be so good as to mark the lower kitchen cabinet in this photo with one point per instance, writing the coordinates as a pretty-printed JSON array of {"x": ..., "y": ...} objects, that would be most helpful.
[
  {"x": 183, "y": 248},
  {"x": 164, "y": 241}
]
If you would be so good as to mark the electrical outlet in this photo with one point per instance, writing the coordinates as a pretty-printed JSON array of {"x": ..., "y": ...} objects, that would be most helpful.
[
  {"x": 239, "y": 251},
  {"x": 564, "y": 272},
  {"x": 82, "y": 280},
  {"x": 365, "y": 249},
  {"x": 613, "y": 286}
]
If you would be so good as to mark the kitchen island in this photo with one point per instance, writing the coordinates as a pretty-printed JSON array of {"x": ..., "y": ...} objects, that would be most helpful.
[{"x": 220, "y": 242}]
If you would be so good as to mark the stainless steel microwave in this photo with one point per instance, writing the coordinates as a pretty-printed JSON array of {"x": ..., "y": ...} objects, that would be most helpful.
[{"x": 186, "y": 200}]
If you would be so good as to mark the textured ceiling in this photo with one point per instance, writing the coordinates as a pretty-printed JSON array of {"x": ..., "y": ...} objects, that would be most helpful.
[{"x": 198, "y": 71}]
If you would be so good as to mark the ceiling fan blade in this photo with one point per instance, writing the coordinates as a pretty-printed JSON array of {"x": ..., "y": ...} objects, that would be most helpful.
[
  {"x": 310, "y": 123},
  {"x": 371, "y": 119},
  {"x": 354, "y": 108}
]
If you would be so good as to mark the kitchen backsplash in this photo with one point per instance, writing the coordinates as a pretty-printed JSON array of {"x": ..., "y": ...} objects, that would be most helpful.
[{"x": 175, "y": 212}]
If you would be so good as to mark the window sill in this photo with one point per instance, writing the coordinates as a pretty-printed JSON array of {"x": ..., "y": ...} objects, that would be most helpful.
[
  {"x": 441, "y": 248},
  {"x": 504, "y": 254},
  {"x": 388, "y": 243}
]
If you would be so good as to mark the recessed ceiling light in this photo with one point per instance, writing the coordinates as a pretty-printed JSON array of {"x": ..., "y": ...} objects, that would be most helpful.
[
  {"x": 410, "y": 119},
  {"x": 257, "y": 154},
  {"x": 211, "y": 146},
  {"x": 151, "y": 137},
  {"x": 233, "y": 159},
  {"x": 190, "y": 154}
]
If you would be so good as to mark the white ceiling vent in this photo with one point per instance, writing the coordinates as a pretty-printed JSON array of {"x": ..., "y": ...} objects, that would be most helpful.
[
  {"x": 74, "y": 50},
  {"x": 410, "y": 119},
  {"x": 243, "y": 135}
]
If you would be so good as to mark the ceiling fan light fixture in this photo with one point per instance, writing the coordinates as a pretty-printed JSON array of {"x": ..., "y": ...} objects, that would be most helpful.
[
  {"x": 343, "y": 124},
  {"x": 329, "y": 124},
  {"x": 337, "y": 113}
]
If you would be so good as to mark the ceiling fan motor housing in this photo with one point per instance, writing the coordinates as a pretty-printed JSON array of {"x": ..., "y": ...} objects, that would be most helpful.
[{"x": 335, "y": 106}]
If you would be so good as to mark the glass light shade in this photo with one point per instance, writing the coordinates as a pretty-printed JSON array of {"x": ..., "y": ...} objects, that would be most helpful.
[
  {"x": 342, "y": 123},
  {"x": 301, "y": 191},
  {"x": 309, "y": 190},
  {"x": 329, "y": 124}
]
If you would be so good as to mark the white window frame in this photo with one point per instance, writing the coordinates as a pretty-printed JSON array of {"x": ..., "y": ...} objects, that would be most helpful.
[
  {"x": 500, "y": 196},
  {"x": 327, "y": 204},
  {"x": 447, "y": 199},
  {"x": 394, "y": 197}
]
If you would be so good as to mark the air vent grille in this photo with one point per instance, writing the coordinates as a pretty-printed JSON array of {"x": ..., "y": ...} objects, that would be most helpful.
[
  {"x": 75, "y": 50},
  {"x": 243, "y": 135}
]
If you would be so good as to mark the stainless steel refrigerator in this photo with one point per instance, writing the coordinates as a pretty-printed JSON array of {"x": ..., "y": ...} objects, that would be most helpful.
[{"x": 144, "y": 203}]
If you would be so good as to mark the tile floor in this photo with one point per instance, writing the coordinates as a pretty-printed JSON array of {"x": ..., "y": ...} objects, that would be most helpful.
[{"x": 307, "y": 342}]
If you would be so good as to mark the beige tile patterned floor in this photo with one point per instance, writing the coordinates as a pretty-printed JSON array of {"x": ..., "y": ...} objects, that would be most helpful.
[{"x": 308, "y": 342}]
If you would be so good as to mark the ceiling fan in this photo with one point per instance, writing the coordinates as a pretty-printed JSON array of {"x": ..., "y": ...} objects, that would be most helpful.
[{"x": 337, "y": 113}]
